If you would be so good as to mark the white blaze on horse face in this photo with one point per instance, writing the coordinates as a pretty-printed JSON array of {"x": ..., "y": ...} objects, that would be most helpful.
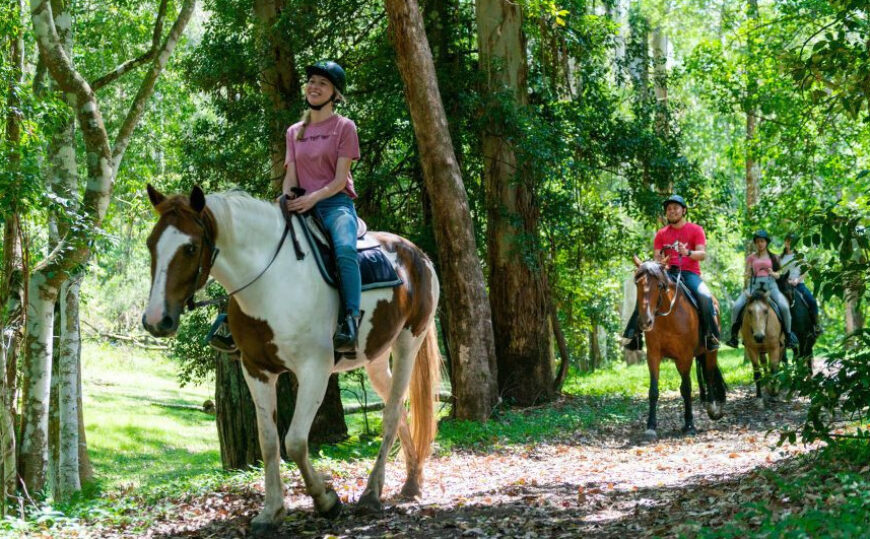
[{"x": 170, "y": 241}]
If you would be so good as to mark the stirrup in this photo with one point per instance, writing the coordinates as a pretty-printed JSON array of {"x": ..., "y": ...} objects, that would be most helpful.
[
  {"x": 711, "y": 343},
  {"x": 732, "y": 342}
]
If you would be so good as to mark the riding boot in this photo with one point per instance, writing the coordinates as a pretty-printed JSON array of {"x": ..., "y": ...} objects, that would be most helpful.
[
  {"x": 732, "y": 341},
  {"x": 345, "y": 339},
  {"x": 635, "y": 338},
  {"x": 792, "y": 341},
  {"x": 711, "y": 342}
]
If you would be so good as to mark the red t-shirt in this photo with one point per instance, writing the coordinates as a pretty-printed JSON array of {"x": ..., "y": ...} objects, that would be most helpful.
[{"x": 691, "y": 235}]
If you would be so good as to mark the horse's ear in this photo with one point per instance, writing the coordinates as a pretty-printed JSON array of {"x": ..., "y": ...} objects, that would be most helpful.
[
  {"x": 197, "y": 199},
  {"x": 155, "y": 196},
  {"x": 637, "y": 261}
]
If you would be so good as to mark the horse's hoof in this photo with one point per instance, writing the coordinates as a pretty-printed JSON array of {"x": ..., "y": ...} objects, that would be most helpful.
[
  {"x": 411, "y": 491},
  {"x": 650, "y": 435},
  {"x": 714, "y": 410},
  {"x": 333, "y": 512},
  {"x": 689, "y": 430},
  {"x": 759, "y": 403},
  {"x": 369, "y": 503}
]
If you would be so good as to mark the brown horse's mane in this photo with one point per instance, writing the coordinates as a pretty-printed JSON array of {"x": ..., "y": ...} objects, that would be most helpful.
[{"x": 652, "y": 269}]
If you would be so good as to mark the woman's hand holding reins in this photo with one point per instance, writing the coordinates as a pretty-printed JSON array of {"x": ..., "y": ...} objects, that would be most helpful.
[{"x": 304, "y": 203}]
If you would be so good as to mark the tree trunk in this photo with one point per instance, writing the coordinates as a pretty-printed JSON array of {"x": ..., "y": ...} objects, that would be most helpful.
[
  {"x": 753, "y": 168},
  {"x": 594, "y": 348},
  {"x": 637, "y": 53},
  {"x": 660, "y": 80},
  {"x": 563, "y": 350},
  {"x": 10, "y": 288},
  {"x": 279, "y": 83},
  {"x": 517, "y": 290},
  {"x": 69, "y": 356},
  {"x": 36, "y": 381},
  {"x": 469, "y": 322},
  {"x": 236, "y": 415}
]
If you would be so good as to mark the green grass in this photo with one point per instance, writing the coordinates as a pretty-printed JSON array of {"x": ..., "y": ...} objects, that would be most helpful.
[
  {"x": 134, "y": 442},
  {"x": 633, "y": 381}
]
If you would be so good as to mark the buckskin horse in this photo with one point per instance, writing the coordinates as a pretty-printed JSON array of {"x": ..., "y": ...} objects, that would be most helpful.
[
  {"x": 764, "y": 341},
  {"x": 283, "y": 314},
  {"x": 671, "y": 325}
]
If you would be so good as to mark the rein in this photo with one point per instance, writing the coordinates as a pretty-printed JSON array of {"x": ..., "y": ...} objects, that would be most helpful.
[{"x": 288, "y": 229}]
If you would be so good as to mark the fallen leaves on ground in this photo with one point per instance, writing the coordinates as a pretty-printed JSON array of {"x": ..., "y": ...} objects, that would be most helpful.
[{"x": 604, "y": 482}]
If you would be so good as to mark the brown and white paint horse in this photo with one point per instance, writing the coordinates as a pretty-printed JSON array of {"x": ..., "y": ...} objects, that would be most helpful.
[{"x": 285, "y": 320}]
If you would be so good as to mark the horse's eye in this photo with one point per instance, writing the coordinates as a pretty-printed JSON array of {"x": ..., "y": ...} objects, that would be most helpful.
[{"x": 190, "y": 249}]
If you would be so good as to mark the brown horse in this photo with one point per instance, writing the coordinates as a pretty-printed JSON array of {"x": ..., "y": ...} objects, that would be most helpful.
[
  {"x": 764, "y": 341},
  {"x": 671, "y": 325},
  {"x": 283, "y": 315}
]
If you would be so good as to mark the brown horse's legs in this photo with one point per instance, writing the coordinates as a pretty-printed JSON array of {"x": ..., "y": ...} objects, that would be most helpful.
[
  {"x": 700, "y": 369},
  {"x": 651, "y": 422},
  {"x": 686, "y": 392}
]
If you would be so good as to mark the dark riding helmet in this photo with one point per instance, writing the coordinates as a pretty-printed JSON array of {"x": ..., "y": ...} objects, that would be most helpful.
[
  {"x": 791, "y": 236},
  {"x": 761, "y": 234},
  {"x": 675, "y": 198},
  {"x": 330, "y": 70}
]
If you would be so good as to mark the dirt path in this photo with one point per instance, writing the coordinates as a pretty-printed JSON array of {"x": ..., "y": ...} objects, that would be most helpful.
[{"x": 601, "y": 483}]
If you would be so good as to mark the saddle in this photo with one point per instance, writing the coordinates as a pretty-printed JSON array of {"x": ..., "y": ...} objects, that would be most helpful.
[{"x": 376, "y": 270}]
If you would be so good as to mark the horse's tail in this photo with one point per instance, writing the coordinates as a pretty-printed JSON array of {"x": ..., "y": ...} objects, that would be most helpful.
[{"x": 425, "y": 381}]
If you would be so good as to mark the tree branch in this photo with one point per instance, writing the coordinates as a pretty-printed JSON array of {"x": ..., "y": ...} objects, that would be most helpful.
[
  {"x": 137, "y": 108},
  {"x": 130, "y": 65}
]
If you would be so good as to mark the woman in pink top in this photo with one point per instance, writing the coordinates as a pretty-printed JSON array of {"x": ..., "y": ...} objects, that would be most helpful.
[
  {"x": 762, "y": 271},
  {"x": 320, "y": 150}
]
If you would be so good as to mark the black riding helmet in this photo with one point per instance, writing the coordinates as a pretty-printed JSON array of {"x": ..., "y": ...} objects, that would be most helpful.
[
  {"x": 761, "y": 234},
  {"x": 330, "y": 70},
  {"x": 675, "y": 198}
]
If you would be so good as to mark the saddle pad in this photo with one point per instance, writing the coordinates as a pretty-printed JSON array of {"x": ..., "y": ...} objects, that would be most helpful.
[{"x": 376, "y": 270}]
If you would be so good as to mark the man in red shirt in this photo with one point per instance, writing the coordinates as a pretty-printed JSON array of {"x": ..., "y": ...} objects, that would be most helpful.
[{"x": 685, "y": 244}]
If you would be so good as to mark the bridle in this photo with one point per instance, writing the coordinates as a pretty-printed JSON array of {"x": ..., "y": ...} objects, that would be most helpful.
[
  {"x": 664, "y": 284},
  {"x": 201, "y": 270}
]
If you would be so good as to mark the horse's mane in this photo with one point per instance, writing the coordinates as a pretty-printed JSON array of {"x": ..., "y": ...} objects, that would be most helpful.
[
  {"x": 758, "y": 295},
  {"x": 653, "y": 269}
]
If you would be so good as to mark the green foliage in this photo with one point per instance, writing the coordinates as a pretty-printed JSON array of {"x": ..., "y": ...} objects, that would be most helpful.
[{"x": 826, "y": 495}]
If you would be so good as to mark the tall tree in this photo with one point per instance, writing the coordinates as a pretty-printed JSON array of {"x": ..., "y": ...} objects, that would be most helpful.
[
  {"x": 517, "y": 290},
  {"x": 103, "y": 160},
  {"x": 469, "y": 331},
  {"x": 753, "y": 166},
  {"x": 11, "y": 293}
]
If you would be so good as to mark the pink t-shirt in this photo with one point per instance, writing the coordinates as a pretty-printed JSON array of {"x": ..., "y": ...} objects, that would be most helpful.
[
  {"x": 761, "y": 267},
  {"x": 691, "y": 235},
  {"x": 316, "y": 153}
]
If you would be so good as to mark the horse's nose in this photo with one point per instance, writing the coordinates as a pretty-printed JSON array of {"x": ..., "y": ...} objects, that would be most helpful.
[
  {"x": 759, "y": 338},
  {"x": 166, "y": 323}
]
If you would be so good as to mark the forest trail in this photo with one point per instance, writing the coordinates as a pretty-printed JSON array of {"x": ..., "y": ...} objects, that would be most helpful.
[{"x": 604, "y": 482}]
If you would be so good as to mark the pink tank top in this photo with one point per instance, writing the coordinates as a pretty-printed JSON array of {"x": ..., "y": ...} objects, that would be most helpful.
[{"x": 761, "y": 267}]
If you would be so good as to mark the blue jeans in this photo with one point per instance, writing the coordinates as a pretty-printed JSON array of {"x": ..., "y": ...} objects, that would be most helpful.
[
  {"x": 811, "y": 301},
  {"x": 339, "y": 217}
]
